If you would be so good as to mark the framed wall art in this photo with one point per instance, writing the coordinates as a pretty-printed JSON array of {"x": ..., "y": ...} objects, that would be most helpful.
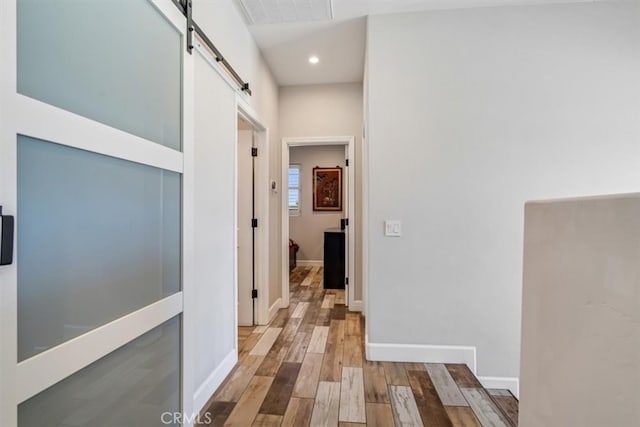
[{"x": 327, "y": 189}]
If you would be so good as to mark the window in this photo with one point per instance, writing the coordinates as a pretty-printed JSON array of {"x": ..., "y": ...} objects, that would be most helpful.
[{"x": 294, "y": 190}]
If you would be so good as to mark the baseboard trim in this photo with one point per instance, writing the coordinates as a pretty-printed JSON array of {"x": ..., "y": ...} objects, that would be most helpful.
[
  {"x": 355, "y": 306},
  {"x": 437, "y": 354},
  {"x": 309, "y": 263},
  {"x": 504, "y": 383},
  {"x": 421, "y": 353},
  {"x": 273, "y": 310},
  {"x": 213, "y": 381}
]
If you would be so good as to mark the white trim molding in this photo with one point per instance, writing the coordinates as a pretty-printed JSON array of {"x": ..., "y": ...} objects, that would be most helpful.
[
  {"x": 273, "y": 310},
  {"x": 287, "y": 143},
  {"x": 502, "y": 383},
  {"x": 261, "y": 201},
  {"x": 210, "y": 385},
  {"x": 189, "y": 285},
  {"x": 421, "y": 353},
  {"x": 46, "y": 369},
  {"x": 438, "y": 354},
  {"x": 8, "y": 195},
  {"x": 50, "y": 123},
  {"x": 355, "y": 305},
  {"x": 309, "y": 263}
]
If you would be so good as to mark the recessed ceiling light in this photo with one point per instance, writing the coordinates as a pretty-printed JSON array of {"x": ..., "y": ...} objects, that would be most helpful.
[{"x": 314, "y": 59}]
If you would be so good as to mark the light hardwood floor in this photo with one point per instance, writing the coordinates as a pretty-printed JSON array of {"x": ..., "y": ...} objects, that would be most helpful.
[{"x": 307, "y": 368}]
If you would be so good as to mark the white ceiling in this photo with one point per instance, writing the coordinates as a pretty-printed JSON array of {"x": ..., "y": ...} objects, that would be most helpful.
[
  {"x": 338, "y": 42},
  {"x": 278, "y": 11}
]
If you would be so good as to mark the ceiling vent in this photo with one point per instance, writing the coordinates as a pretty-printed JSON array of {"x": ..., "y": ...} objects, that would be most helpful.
[{"x": 279, "y": 11}]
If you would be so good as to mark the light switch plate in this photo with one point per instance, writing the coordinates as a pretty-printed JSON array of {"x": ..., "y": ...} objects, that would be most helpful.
[{"x": 393, "y": 228}]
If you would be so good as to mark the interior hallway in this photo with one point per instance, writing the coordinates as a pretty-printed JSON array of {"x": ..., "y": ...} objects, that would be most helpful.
[{"x": 308, "y": 368}]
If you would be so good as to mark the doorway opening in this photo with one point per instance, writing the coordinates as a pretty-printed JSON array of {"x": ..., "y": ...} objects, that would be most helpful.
[
  {"x": 318, "y": 210},
  {"x": 251, "y": 219}
]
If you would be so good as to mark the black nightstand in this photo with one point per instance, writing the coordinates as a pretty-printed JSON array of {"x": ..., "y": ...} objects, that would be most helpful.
[{"x": 334, "y": 254}]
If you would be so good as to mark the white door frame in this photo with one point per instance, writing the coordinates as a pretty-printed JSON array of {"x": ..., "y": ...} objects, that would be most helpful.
[
  {"x": 287, "y": 143},
  {"x": 261, "y": 133},
  {"x": 8, "y": 198}
]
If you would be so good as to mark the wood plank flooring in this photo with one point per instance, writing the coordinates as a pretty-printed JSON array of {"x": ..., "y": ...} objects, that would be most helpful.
[{"x": 307, "y": 368}]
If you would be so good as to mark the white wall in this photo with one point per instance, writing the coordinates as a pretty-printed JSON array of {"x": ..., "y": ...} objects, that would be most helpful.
[
  {"x": 225, "y": 26},
  {"x": 471, "y": 113},
  {"x": 307, "y": 229},
  {"x": 328, "y": 110},
  {"x": 215, "y": 134},
  {"x": 581, "y": 313}
]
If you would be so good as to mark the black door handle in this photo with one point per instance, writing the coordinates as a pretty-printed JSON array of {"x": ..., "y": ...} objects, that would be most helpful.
[{"x": 6, "y": 239}]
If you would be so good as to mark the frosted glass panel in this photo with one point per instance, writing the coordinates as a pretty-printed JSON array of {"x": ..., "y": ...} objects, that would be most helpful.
[
  {"x": 133, "y": 386},
  {"x": 98, "y": 238},
  {"x": 114, "y": 61}
]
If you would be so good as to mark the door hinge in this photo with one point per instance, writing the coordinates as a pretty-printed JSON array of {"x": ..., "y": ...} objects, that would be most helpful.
[
  {"x": 254, "y": 222},
  {"x": 346, "y": 280},
  {"x": 254, "y": 151},
  {"x": 254, "y": 293},
  {"x": 344, "y": 223},
  {"x": 347, "y": 162},
  {"x": 6, "y": 239}
]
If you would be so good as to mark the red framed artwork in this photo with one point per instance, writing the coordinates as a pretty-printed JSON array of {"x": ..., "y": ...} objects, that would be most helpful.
[{"x": 327, "y": 189}]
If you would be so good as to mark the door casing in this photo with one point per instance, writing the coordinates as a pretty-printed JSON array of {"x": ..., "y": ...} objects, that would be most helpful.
[{"x": 349, "y": 143}]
